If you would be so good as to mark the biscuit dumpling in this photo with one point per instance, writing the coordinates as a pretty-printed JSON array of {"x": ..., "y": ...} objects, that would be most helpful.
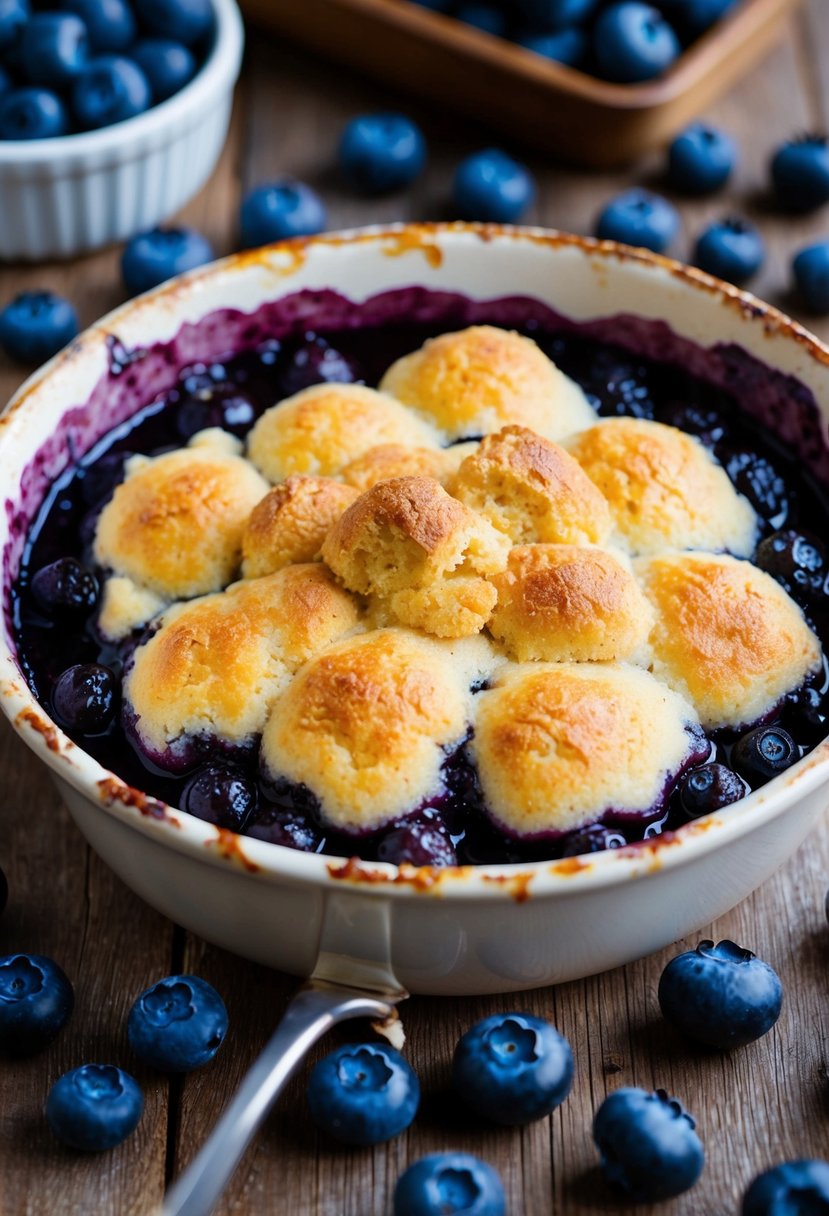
[
  {"x": 323, "y": 428},
  {"x": 561, "y": 746},
  {"x": 390, "y": 460},
  {"x": 290, "y": 523},
  {"x": 477, "y": 380},
  {"x": 725, "y": 635},
  {"x": 664, "y": 488},
  {"x": 569, "y": 603}
]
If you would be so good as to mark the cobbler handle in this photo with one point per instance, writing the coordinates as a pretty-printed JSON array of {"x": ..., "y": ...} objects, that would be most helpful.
[{"x": 313, "y": 1011}]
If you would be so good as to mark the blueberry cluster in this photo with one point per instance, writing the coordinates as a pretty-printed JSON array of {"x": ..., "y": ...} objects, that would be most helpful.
[
  {"x": 93, "y": 63},
  {"x": 626, "y": 41}
]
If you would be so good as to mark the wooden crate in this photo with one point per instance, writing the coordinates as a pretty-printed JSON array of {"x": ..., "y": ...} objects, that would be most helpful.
[{"x": 534, "y": 101}]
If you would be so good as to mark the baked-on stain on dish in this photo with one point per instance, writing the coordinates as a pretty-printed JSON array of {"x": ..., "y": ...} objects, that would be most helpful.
[
  {"x": 229, "y": 845},
  {"x": 419, "y": 878},
  {"x": 42, "y": 726},
  {"x": 112, "y": 789}
]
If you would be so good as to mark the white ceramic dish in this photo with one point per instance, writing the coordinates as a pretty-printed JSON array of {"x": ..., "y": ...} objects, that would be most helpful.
[
  {"x": 482, "y": 929},
  {"x": 62, "y": 197}
]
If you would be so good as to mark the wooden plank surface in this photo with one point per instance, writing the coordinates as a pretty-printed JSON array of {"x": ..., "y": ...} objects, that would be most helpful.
[{"x": 756, "y": 1106}]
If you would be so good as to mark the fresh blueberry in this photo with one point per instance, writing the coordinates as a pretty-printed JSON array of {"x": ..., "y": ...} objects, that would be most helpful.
[
  {"x": 54, "y": 48},
  {"x": 152, "y": 257},
  {"x": 65, "y": 586},
  {"x": 94, "y": 1107},
  {"x": 512, "y": 1068},
  {"x": 593, "y": 839},
  {"x": 804, "y": 713},
  {"x": 693, "y": 17},
  {"x": 800, "y": 173},
  {"x": 36, "y": 1002},
  {"x": 279, "y": 210},
  {"x": 732, "y": 249},
  {"x": 221, "y": 795},
  {"x": 187, "y": 21},
  {"x": 722, "y": 996},
  {"x": 13, "y": 16},
  {"x": 647, "y": 1144},
  {"x": 32, "y": 114},
  {"x": 764, "y": 753},
  {"x": 446, "y": 1183},
  {"x": 565, "y": 46},
  {"x": 810, "y": 268},
  {"x": 796, "y": 559},
  {"x": 795, "y": 1188},
  {"x": 709, "y": 788},
  {"x": 168, "y": 66},
  {"x": 381, "y": 152},
  {"x": 225, "y": 407},
  {"x": 633, "y": 42},
  {"x": 4, "y": 892},
  {"x": 363, "y": 1093},
  {"x": 757, "y": 480},
  {"x": 550, "y": 16},
  {"x": 36, "y": 325},
  {"x": 638, "y": 217},
  {"x": 110, "y": 24},
  {"x": 315, "y": 362},
  {"x": 487, "y": 17},
  {"x": 85, "y": 698},
  {"x": 492, "y": 187},
  {"x": 420, "y": 842},
  {"x": 111, "y": 89},
  {"x": 178, "y": 1024},
  {"x": 700, "y": 159}
]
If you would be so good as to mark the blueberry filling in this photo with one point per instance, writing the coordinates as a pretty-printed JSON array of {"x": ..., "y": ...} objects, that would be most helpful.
[{"x": 75, "y": 674}]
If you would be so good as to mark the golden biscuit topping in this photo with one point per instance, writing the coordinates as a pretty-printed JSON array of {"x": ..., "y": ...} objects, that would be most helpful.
[{"x": 290, "y": 523}]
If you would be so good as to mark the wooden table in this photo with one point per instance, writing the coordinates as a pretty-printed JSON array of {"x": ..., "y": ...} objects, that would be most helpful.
[{"x": 754, "y": 1107}]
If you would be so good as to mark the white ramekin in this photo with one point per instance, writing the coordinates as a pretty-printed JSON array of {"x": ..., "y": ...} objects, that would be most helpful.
[
  {"x": 61, "y": 197},
  {"x": 468, "y": 930}
]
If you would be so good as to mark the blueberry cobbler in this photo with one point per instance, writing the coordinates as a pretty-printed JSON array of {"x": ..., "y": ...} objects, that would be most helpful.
[{"x": 434, "y": 593}]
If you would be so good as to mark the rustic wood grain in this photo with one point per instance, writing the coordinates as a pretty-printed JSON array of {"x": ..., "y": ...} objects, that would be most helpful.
[{"x": 756, "y": 1106}]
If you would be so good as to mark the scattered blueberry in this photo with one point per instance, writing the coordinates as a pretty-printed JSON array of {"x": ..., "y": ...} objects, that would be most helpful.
[
  {"x": 638, "y": 217},
  {"x": 36, "y": 325},
  {"x": 53, "y": 49},
  {"x": 757, "y": 480},
  {"x": 381, "y": 152},
  {"x": 110, "y": 24},
  {"x": 65, "y": 586},
  {"x": 187, "y": 21},
  {"x": 800, "y": 173},
  {"x": 4, "y": 892},
  {"x": 810, "y": 268},
  {"x": 221, "y": 795},
  {"x": 363, "y": 1093},
  {"x": 36, "y": 1002},
  {"x": 152, "y": 257},
  {"x": 279, "y": 210},
  {"x": 85, "y": 698},
  {"x": 13, "y": 16},
  {"x": 565, "y": 46},
  {"x": 693, "y": 17},
  {"x": 487, "y": 17},
  {"x": 420, "y": 842},
  {"x": 732, "y": 249},
  {"x": 594, "y": 839},
  {"x": 795, "y": 1188},
  {"x": 700, "y": 159},
  {"x": 94, "y": 1107},
  {"x": 722, "y": 996},
  {"x": 709, "y": 788},
  {"x": 633, "y": 42},
  {"x": 513, "y": 1068},
  {"x": 315, "y": 362},
  {"x": 764, "y": 753},
  {"x": 492, "y": 187},
  {"x": 178, "y": 1024},
  {"x": 168, "y": 66},
  {"x": 446, "y": 1183},
  {"x": 550, "y": 16},
  {"x": 647, "y": 1144},
  {"x": 796, "y": 559},
  {"x": 110, "y": 90},
  {"x": 32, "y": 114}
]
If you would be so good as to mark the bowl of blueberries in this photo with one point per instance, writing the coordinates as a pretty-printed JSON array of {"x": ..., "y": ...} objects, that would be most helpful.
[
  {"x": 112, "y": 115},
  {"x": 450, "y": 598}
]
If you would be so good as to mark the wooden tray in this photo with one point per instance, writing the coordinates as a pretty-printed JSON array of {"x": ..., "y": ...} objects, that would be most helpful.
[{"x": 536, "y": 102}]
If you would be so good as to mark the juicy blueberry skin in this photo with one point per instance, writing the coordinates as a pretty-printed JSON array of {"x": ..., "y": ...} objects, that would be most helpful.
[
  {"x": 633, "y": 42},
  {"x": 700, "y": 159},
  {"x": 13, "y": 16},
  {"x": 54, "y": 48},
  {"x": 732, "y": 249},
  {"x": 110, "y": 24},
  {"x": 486, "y": 17},
  {"x": 363, "y": 1093},
  {"x": 32, "y": 114},
  {"x": 94, "y": 1107},
  {"x": 187, "y": 21},
  {"x": 566, "y": 46},
  {"x": 637, "y": 217},
  {"x": 694, "y": 17},
  {"x": 36, "y": 1002},
  {"x": 795, "y": 1188},
  {"x": 810, "y": 269},
  {"x": 647, "y": 1144},
  {"x": 152, "y": 257},
  {"x": 592, "y": 840},
  {"x": 722, "y": 996},
  {"x": 222, "y": 795},
  {"x": 419, "y": 842},
  {"x": 709, "y": 788},
  {"x": 168, "y": 66},
  {"x": 443, "y": 1183},
  {"x": 492, "y": 187},
  {"x": 111, "y": 89},
  {"x": 315, "y": 362},
  {"x": 279, "y": 210},
  {"x": 36, "y": 324},
  {"x": 549, "y": 16},
  {"x": 64, "y": 587},
  {"x": 796, "y": 559},
  {"x": 800, "y": 173},
  {"x": 513, "y": 1068},
  {"x": 177, "y": 1025},
  {"x": 381, "y": 152},
  {"x": 764, "y": 753},
  {"x": 85, "y": 698}
]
